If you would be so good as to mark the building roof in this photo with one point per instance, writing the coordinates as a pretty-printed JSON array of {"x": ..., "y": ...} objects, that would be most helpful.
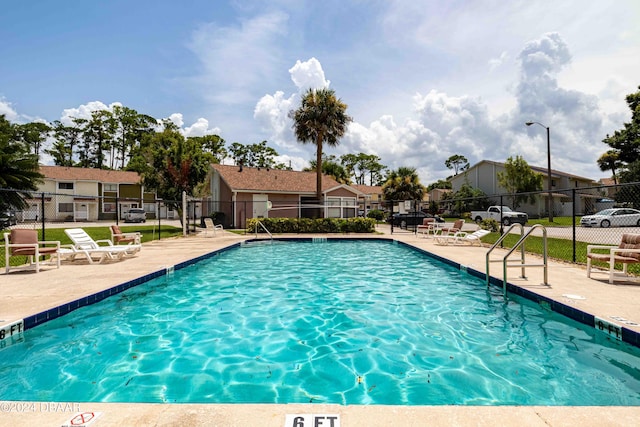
[
  {"x": 606, "y": 181},
  {"x": 538, "y": 169},
  {"x": 273, "y": 180},
  {"x": 368, "y": 189},
  {"x": 66, "y": 173}
]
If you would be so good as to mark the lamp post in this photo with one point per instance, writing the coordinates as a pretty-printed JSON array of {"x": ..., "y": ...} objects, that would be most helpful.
[{"x": 549, "y": 198}]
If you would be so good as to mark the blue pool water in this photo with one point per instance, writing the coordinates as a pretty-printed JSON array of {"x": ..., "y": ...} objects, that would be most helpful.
[{"x": 349, "y": 322}]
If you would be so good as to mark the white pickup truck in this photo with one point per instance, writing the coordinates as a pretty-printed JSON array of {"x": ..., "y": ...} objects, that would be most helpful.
[{"x": 496, "y": 212}]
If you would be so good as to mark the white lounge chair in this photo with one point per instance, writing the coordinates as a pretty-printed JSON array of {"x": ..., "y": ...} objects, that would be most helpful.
[
  {"x": 461, "y": 237},
  {"x": 210, "y": 227},
  {"x": 83, "y": 244}
]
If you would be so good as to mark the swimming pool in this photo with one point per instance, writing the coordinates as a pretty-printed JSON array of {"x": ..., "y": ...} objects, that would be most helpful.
[{"x": 349, "y": 322}]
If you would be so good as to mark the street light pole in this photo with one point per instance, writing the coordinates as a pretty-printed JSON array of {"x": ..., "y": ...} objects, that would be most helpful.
[{"x": 549, "y": 197}]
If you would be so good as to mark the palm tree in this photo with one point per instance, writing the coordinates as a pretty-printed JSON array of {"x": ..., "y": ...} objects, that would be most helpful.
[
  {"x": 321, "y": 118},
  {"x": 610, "y": 161},
  {"x": 403, "y": 184},
  {"x": 18, "y": 167}
]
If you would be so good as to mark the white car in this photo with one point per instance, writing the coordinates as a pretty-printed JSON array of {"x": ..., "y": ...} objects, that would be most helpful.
[
  {"x": 616, "y": 217},
  {"x": 135, "y": 215}
]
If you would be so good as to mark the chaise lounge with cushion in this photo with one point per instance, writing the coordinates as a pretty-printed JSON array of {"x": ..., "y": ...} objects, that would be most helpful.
[
  {"x": 627, "y": 252},
  {"x": 118, "y": 237},
  {"x": 24, "y": 242}
]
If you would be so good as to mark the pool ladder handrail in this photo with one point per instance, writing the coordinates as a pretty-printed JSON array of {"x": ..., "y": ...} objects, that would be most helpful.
[
  {"x": 264, "y": 228},
  {"x": 522, "y": 263}
]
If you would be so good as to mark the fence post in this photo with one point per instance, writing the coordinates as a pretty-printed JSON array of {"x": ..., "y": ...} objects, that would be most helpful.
[
  {"x": 159, "y": 223},
  {"x": 501, "y": 205},
  {"x": 117, "y": 211},
  {"x": 392, "y": 203},
  {"x": 42, "y": 214},
  {"x": 573, "y": 220},
  {"x": 185, "y": 224}
]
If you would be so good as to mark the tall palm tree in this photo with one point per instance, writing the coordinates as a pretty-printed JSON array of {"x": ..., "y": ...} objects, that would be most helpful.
[
  {"x": 321, "y": 118},
  {"x": 610, "y": 161},
  {"x": 403, "y": 184}
]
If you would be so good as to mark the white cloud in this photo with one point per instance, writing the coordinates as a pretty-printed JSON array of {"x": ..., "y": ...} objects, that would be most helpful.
[
  {"x": 442, "y": 125},
  {"x": 200, "y": 128},
  {"x": 84, "y": 111},
  {"x": 7, "y": 110},
  {"x": 176, "y": 119},
  {"x": 272, "y": 111},
  {"x": 497, "y": 62},
  {"x": 308, "y": 75}
]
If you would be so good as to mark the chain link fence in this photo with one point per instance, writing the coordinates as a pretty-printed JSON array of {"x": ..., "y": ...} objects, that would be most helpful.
[
  {"x": 234, "y": 215},
  {"x": 571, "y": 227},
  {"x": 44, "y": 211}
]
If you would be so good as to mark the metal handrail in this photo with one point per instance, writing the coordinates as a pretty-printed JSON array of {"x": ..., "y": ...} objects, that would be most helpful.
[
  {"x": 264, "y": 228},
  {"x": 523, "y": 264},
  {"x": 500, "y": 239}
]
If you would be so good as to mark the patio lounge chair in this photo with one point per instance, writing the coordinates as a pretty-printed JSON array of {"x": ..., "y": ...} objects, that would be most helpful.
[
  {"x": 83, "y": 244},
  {"x": 452, "y": 228},
  {"x": 25, "y": 242},
  {"x": 210, "y": 227},
  {"x": 118, "y": 237},
  {"x": 426, "y": 227},
  {"x": 627, "y": 252},
  {"x": 461, "y": 238}
]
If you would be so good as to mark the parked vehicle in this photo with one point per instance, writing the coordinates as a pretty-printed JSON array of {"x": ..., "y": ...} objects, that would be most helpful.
[
  {"x": 615, "y": 217},
  {"x": 501, "y": 212},
  {"x": 411, "y": 218},
  {"x": 7, "y": 219},
  {"x": 135, "y": 215}
]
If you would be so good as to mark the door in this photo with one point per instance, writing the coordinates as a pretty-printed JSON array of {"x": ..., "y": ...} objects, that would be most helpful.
[
  {"x": 260, "y": 206},
  {"x": 82, "y": 212}
]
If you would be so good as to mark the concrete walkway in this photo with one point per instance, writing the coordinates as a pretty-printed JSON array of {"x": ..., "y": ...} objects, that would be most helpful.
[{"x": 27, "y": 293}]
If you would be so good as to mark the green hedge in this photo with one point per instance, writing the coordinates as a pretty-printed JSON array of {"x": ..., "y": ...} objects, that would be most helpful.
[{"x": 308, "y": 225}]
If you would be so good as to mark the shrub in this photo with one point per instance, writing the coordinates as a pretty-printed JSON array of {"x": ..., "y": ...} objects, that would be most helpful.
[
  {"x": 376, "y": 214},
  {"x": 490, "y": 224},
  {"x": 307, "y": 225}
]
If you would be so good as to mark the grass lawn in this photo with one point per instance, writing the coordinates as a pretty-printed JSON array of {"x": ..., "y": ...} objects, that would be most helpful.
[{"x": 558, "y": 221}]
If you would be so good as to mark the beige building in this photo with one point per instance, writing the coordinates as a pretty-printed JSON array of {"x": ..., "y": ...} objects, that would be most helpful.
[
  {"x": 371, "y": 198},
  {"x": 484, "y": 175},
  {"x": 84, "y": 194}
]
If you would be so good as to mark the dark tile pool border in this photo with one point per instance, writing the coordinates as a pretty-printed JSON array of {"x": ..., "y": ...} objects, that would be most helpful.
[
  {"x": 45, "y": 316},
  {"x": 625, "y": 334}
]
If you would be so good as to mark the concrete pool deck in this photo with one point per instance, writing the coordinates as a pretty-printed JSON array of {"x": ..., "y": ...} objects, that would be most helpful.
[{"x": 25, "y": 294}]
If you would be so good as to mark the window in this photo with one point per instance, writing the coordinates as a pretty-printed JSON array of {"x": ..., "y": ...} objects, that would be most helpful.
[
  {"x": 110, "y": 187},
  {"x": 65, "y": 186},
  {"x": 65, "y": 207},
  {"x": 333, "y": 209},
  {"x": 149, "y": 207},
  {"x": 341, "y": 207},
  {"x": 109, "y": 207}
]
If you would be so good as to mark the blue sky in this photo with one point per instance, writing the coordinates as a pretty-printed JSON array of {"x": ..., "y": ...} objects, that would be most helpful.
[{"x": 423, "y": 79}]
